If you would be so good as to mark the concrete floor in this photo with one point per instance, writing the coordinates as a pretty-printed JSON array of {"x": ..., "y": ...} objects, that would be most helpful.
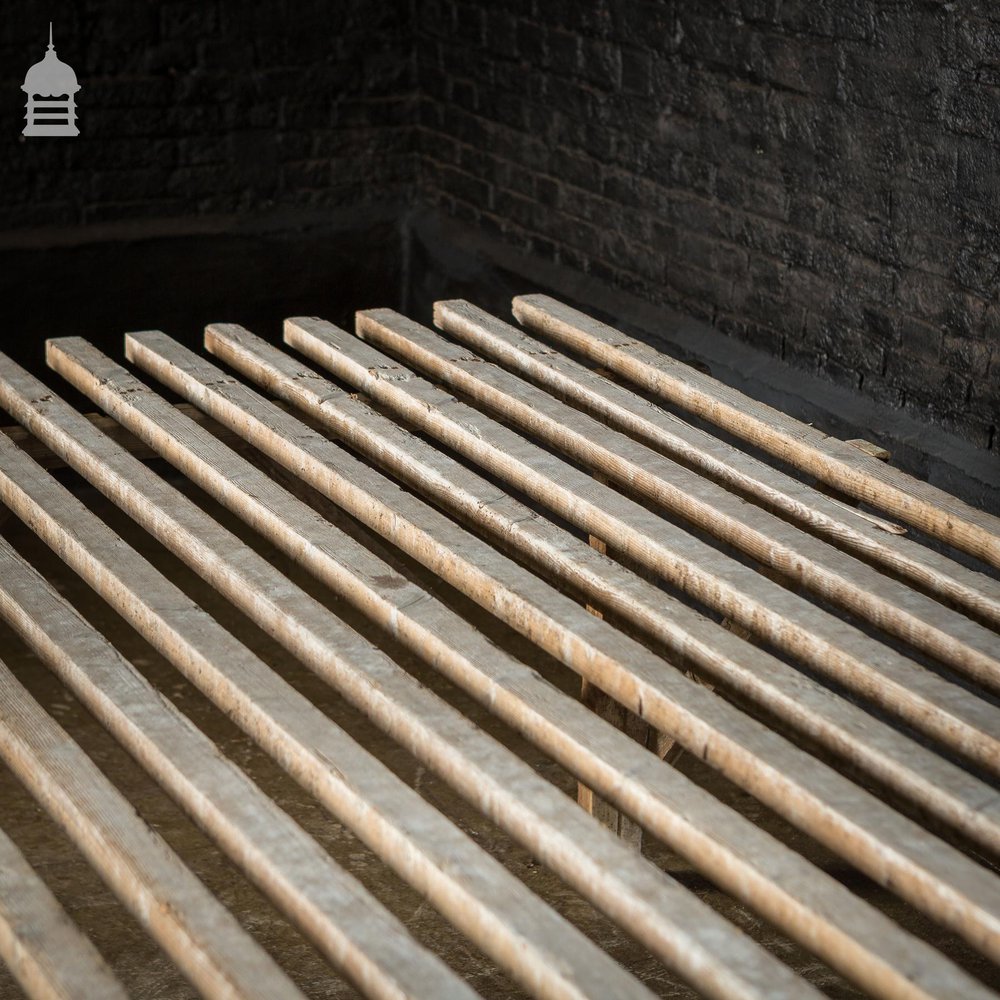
[{"x": 148, "y": 974}]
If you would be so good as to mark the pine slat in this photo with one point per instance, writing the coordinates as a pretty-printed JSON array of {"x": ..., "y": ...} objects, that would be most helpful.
[
  {"x": 187, "y": 921},
  {"x": 46, "y": 952},
  {"x": 666, "y": 918},
  {"x": 355, "y": 932},
  {"x": 831, "y": 461}
]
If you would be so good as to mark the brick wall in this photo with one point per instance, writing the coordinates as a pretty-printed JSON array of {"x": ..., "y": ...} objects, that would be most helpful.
[
  {"x": 820, "y": 178},
  {"x": 201, "y": 108}
]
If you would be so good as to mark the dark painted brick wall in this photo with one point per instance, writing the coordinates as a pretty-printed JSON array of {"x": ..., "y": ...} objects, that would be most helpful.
[
  {"x": 817, "y": 177},
  {"x": 196, "y": 108},
  {"x": 820, "y": 178}
]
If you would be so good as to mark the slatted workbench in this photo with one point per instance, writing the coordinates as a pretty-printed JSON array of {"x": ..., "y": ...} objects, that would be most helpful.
[{"x": 693, "y": 555}]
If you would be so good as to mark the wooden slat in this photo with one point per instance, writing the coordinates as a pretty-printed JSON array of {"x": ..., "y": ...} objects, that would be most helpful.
[
  {"x": 653, "y": 908},
  {"x": 355, "y": 932},
  {"x": 897, "y": 684},
  {"x": 818, "y": 800},
  {"x": 831, "y": 461},
  {"x": 938, "y": 786},
  {"x": 527, "y": 939},
  {"x": 47, "y": 460},
  {"x": 620, "y": 407},
  {"x": 495, "y": 595},
  {"x": 776, "y": 882},
  {"x": 46, "y": 952},
  {"x": 193, "y": 928}
]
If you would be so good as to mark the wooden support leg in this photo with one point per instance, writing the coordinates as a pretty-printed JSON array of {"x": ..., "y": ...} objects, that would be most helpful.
[
  {"x": 629, "y": 723},
  {"x": 663, "y": 745},
  {"x": 621, "y": 718}
]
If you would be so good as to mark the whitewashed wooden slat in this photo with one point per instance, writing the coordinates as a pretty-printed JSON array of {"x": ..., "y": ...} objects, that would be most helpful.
[
  {"x": 936, "y": 785},
  {"x": 354, "y": 931},
  {"x": 114, "y": 430},
  {"x": 48, "y": 955},
  {"x": 713, "y": 730},
  {"x": 623, "y": 409},
  {"x": 924, "y": 700},
  {"x": 800, "y": 899},
  {"x": 491, "y": 907},
  {"x": 798, "y": 787},
  {"x": 831, "y": 461},
  {"x": 187, "y": 921},
  {"x": 653, "y": 908}
]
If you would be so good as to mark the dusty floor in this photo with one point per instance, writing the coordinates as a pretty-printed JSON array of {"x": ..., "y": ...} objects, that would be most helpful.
[{"x": 147, "y": 973}]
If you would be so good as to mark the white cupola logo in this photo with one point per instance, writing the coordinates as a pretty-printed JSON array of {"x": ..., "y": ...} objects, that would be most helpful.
[{"x": 51, "y": 86}]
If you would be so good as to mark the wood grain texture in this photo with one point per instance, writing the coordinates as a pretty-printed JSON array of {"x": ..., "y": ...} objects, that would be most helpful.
[
  {"x": 624, "y": 410},
  {"x": 831, "y": 461},
  {"x": 870, "y": 950},
  {"x": 48, "y": 955},
  {"x": 909, "y": 768},
  {"x": 798, "y": 898},
  {"x": 48, "y": 460},
  {"x": 483, "y": 438},
  {"x": 896, "y": 684},
  {"x": 349, "y": 927},
  {"x": 193, "y": 928},
  {"x": 667, "y": 919},
  {"x": 813, "y": 797},
  {"x": 526, "y": 938}
]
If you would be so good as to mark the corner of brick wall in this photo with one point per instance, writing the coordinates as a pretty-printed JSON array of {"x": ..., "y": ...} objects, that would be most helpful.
[{"x": 820, "y": 179}]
